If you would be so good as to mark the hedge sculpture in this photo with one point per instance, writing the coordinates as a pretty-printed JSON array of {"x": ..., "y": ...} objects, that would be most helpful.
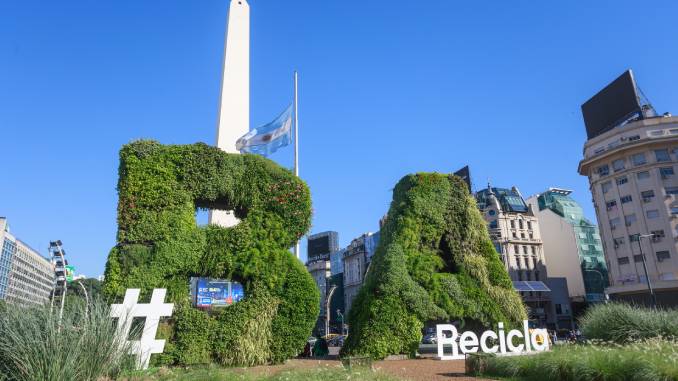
[
  {"x": 160, "y": 245},
  {"x": 435, "y": 262}
]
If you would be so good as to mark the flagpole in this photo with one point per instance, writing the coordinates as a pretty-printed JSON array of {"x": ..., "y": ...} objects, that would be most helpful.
[{"x": 296, "y": 139}]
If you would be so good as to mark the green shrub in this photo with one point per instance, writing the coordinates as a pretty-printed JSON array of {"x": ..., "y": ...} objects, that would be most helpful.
[
  {"x": 623, "y": 323},
  {"x": 435, "y": 261},
  {"x": 33, "y": 347},
  {"x": 653, "y": 360},
  {"x": 161, "y": 246}
]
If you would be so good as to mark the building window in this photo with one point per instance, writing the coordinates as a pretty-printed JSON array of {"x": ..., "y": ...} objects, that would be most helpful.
[
  {"x": 663, "y": 255},
  {"x": 493, "y": 224},
  {"x": 643, "y": 175},
  {"x": 614, "y": 223},
  {"x": 520, "y": 224},
  {"x": 630, "y": 219},
  {"x": 603, "y": 170},
  {"x": 657, "y": 235},
  {"x": 618, "y": 241},
  {"x": 671, "y": 190},
  {"x": 606, "y": 186},
  {"x": 622, "y": 180},
  {"x": 647, "y": 195},
  {"x": 623, "y": 260},
  {"x": 491, "y": 212},
  {"x": 634, "y": 238},
  {"x": 652, "y": 214},
  {"x": 662, "y": 155},
  {"x": 534, "y": 250},
  {"x": 559, "y": 309},
  {"x": 626, "y": 199},
  {"x": 634, "y": 137},
  {"x": 524, "y": 249},
  {"x": 638, "y": 159},
  {"x": 513, "y": 224},
  {"x": 618, "y": 165},
  {"x": 674, "y": 210},
  {"x": 515, "y": 235},
  {"x": 529, "y": 225},
  {"x": 666, "y": 172},
  {"x": 611, "y": 205},
  {"x": 516, "y": 249},
  {"x": 638, "y": 258}
]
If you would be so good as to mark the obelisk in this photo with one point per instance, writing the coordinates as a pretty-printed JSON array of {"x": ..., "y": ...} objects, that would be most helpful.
[{"x": 234, "y": 104}]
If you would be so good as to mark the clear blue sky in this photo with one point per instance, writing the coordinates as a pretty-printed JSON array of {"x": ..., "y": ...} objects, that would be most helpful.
[{"x": 387, "y": 88}]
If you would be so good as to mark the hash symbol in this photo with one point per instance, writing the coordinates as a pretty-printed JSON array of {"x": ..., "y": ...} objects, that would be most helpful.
[{"x": 129, "y": 309}]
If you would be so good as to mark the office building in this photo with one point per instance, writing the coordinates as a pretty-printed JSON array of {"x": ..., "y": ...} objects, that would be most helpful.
[
  {"x": 26, "y": 277},
  {"x": 572, "y": 245},
  {"x": 357, "y": 258},
  {"x": 319, "y": 249},
  {"x": 631, "y": 171},
  {"x": 630, "y": 160},
  {"x": 514, "y": 230}
]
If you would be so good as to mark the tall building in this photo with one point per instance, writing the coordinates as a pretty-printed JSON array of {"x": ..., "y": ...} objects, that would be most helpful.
[
  {"x": 26, "y": 277},
  {"x": 631, "y": 171},
  {"x": 572, "y": 245},
  {"x": 357, "y": 258},
  {"x": 514, "y": 230},
  {"x": 630, "y": 160},
  {"x": 319, "y": 249}
]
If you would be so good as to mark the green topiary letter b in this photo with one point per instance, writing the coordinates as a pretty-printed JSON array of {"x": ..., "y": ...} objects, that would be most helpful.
[{"x": 159, "y": 245}]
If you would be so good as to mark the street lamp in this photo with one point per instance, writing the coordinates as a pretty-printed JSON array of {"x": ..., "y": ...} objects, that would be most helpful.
[
  {"x": 341, "y": 316},
  {"x": 647, "y": 277},
  {"x": 327, "y": 310}
]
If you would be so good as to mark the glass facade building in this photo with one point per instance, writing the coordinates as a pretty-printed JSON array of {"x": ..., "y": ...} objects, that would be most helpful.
[
  {"x": 6, "y": 255},
  {"x": 588, "y": 242}
]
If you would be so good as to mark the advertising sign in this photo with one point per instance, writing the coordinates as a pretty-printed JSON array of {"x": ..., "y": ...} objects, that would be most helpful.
[
  {"x": 209, "y": 292},
  {"x": 70, "y": 272}
]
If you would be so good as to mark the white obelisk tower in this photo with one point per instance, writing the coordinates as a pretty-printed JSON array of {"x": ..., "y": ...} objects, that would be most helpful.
[{"x": 234, "y": 105}]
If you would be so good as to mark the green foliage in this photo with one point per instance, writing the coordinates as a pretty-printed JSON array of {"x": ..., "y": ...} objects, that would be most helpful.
[
  {"x": 33, "y": 347},
  {"x": 160, "y": 246},
  {"x": 435, "y": 261},
  {"x": 652, "y": 360},
  {"x": 623, "y": 323}
]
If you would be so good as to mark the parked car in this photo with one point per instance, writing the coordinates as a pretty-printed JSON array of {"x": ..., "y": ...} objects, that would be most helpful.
[
  {"x": 337, "y": 341},
  {"x": 430, "y": 338}
]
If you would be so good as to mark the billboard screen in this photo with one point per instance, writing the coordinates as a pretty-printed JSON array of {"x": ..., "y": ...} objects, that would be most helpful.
[
  {"x": 209, "y": 292},
  {"x": 611, "y": 106},
  {"x": 465, "y": 174},
  {"x": 319, "y": 247}
]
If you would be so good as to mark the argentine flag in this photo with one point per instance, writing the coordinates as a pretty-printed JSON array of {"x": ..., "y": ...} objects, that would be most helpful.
[{"x": 266, "y": 139}]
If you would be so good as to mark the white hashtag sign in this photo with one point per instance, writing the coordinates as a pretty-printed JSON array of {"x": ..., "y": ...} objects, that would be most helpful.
[{"x": 129, "y": 309}]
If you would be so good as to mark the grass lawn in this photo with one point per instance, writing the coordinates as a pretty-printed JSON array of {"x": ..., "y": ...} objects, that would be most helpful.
[{"x": 651, "y": 360}]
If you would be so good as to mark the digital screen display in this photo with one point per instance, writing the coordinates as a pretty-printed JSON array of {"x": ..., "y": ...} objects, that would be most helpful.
[
  {"x": 611, "y": 106},
  {"x": 318, "y": 247},
  {"x": 208, "y": 292}
]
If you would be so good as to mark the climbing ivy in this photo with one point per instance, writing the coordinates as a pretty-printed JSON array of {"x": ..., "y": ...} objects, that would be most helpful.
[
  {"x": 435, "y": 261},
  {"x": 160, "y": 245}
]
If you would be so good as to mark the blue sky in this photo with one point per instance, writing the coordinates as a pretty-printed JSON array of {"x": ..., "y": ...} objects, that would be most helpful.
[{"x": 387, "y": 88}]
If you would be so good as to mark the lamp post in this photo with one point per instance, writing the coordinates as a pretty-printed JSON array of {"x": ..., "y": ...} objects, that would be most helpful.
[
  {"x": 327, "y": 310},
  {"x": 341, "y": 316},
  {"x": 647, "y": 277}
]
